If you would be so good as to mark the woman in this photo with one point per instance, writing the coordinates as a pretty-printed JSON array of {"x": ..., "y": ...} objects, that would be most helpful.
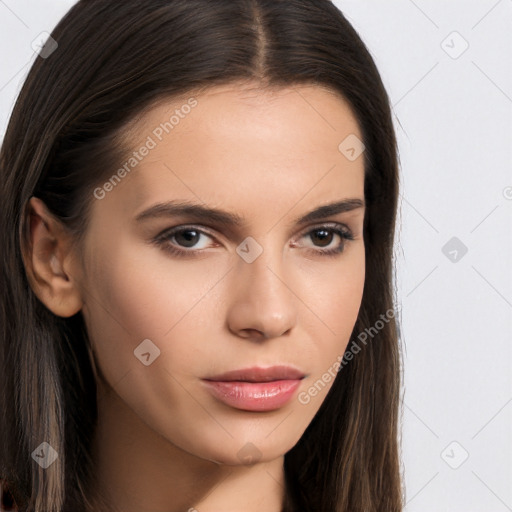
[{"x": 198, "y": 211}]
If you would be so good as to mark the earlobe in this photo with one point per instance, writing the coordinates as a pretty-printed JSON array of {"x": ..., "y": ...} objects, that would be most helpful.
[{"x": 45, "y": 259}]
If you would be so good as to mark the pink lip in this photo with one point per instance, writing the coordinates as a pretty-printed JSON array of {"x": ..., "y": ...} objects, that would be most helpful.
[
  {"x": 258, "y": 374},
  {"x": 255, "y": 389}
]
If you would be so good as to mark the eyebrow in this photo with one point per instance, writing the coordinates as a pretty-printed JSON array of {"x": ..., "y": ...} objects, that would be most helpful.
[{"x": 229, "y": 219}]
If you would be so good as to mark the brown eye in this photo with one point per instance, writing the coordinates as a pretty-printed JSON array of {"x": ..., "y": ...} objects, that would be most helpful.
[
  {"x": 184, "y": 240},
  {"x": 187, "y": 237},
  {"x": 323, "y": 236}
]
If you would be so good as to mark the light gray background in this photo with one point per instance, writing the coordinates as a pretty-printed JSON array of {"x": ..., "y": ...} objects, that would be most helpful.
[{"x": 453, "y": 115}]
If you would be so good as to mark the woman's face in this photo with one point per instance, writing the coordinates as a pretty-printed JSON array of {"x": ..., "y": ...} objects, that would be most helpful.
[{"x": 167, "y": 311}]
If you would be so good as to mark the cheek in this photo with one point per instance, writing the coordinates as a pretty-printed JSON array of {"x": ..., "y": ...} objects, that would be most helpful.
[
  {"x": 132, "y": 297},
  {"x": 349, "y": 297},
  {"x": 336, "y": 296},
  {"x": 336, "y": 305}
]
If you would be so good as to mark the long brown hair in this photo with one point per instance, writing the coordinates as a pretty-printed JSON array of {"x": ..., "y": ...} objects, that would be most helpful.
[{"x": 114, "y": 60}]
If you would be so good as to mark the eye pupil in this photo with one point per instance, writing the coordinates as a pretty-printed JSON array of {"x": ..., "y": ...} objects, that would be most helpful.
[
  {"x": 327, "y": 235},
  {"x": 190, "y": 241}
]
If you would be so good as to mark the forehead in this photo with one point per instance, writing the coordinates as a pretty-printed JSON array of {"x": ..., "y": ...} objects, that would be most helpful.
[
  {"x": 259, "y": 112},
  {"x": 245, "y": 146}
]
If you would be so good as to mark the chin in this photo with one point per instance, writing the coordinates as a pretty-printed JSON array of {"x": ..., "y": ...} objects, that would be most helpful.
[{"x": 245, "y": 451}]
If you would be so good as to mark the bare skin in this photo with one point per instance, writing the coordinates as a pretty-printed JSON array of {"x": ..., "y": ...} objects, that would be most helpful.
[{"x": 164, "y": 443}]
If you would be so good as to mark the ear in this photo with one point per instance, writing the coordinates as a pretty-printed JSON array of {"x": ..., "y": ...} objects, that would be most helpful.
[{"x": 49, "y": 262}]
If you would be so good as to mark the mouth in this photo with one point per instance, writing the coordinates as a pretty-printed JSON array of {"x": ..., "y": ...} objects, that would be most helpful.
[
  {"x": 257, "y": 374},
  {"x": 255, "y": 389}
]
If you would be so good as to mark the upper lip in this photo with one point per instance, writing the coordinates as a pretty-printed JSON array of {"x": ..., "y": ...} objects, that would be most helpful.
[{"x": 258, "y": 374}]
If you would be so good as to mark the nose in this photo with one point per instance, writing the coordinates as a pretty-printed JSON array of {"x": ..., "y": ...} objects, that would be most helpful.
[{"x": 262, "y": 304}]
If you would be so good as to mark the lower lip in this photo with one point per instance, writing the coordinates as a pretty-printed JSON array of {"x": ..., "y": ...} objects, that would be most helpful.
[{"x": 253, "y": 396}]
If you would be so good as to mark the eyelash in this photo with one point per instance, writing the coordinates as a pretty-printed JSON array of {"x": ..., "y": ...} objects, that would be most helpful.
[{"x": 162, "y": 239}]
